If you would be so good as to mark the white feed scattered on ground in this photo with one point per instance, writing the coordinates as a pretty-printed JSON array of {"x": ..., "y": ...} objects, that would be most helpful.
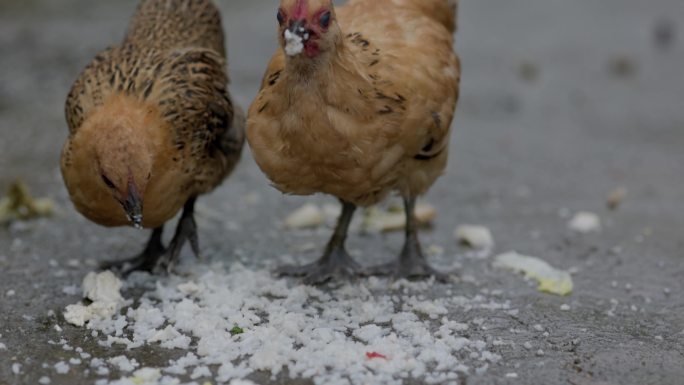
[
  {"x": 377, "y": 219},
  {"x": 123, "y": 363},
  {"x": 103, "y": 290},
  {"x": 585, "y": 222},
  {"x": 62, "y": 367},
  {"x": 240, "y": 321},
  {"x": 551, "y": 280},
  {"x": 477, "y": 237},
  {"x": 305, "y": 217}
]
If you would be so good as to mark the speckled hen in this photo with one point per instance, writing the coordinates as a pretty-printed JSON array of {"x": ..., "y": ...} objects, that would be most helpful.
[
  {"x": 152, "y": 126},
  {"x": 358, "y": 103}
]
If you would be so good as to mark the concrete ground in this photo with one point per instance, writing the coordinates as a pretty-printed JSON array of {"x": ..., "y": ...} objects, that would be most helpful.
[{"x": 562, "y": 102}]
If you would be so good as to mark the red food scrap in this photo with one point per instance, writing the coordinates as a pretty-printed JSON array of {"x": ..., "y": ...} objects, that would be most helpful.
[{"x": 372, "y": 355}]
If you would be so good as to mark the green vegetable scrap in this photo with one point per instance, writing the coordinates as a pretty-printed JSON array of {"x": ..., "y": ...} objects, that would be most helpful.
[{"x": 236, "y": 330}]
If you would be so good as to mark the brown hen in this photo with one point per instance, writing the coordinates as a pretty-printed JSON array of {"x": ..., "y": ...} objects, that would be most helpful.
[
  {"x": 358, "y": 103},
  {"x": 152, "y": 126}
]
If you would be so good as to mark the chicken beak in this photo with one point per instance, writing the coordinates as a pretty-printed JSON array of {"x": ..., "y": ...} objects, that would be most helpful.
[
  {"x": 133, "y": 207},
  {"x": 298, "y": 28},
  {"x": 296, "y": 36}
]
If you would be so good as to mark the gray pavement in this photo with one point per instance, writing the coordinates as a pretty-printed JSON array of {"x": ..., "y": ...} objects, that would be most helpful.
[{"x": 599, "y": 106}]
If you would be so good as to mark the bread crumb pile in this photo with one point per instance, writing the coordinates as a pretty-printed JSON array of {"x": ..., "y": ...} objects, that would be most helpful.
[{"x": 237, "y": 321}]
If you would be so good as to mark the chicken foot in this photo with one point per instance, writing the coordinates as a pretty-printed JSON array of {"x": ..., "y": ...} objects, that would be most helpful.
[
  {"x": 186, "y": 231},
  {"x": 335, "y": 262},
  {"x": 411, "y": 262},
  {"x": 145, "y": 261}
]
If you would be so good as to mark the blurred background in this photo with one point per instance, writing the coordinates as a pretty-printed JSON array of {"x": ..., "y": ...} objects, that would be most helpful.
[
  {"x": 552, "y": 90},
  {"x": 562, "y": 103}
]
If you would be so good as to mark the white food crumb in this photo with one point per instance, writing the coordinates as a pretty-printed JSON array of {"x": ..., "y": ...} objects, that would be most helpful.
[
  {"x": 585, "y": 222},
  {"x": 370, "y": 333},
  {"x": 189, "y": 288},
  {"x": 242, "y": 382},
  {"x": 45, "y": 380},
  {"x": 16, "y": 368},
  {"x": 123, "y": 363},
  {"x": 377, "y": 219},
  {"x": 3, "y": 346},
  {"x": 511, "y": 375},
  {"x": 565, "y": 307},
  {"x": 62, "y": 367},
  {"x": 540, "y": 353},
  {"x": 146, "y": 375},
  {"x": 478, "y": 237},
  {"x": 551, "y": 280},
  {"x": 200, "y": 372},
  {"x": 305, "y": 217},
  {"x": 103, "y": 290},
  {"x": 103, "y": 287},
  {"x": 294, "y": 44},
  {"x": 171, "y": 338},
  {"x": 10, "y": 293},
  {"x": 102, "y": 371}
]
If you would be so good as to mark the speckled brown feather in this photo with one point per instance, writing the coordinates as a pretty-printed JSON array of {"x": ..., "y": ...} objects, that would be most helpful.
[
  {"x": 173, "y": 24},
  {"x": 172, "y": 66},
  {"x": 372, "y": 117}
]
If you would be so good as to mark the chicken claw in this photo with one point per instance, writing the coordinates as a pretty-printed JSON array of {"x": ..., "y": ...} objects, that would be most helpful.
[
  {"x": 411, "y": 262},
  {"x": 145, "y": 261},
  {"x": 186, "y": 231},
  {"x": 334, "y": 265},
  {"x": 335, "y": 262}
]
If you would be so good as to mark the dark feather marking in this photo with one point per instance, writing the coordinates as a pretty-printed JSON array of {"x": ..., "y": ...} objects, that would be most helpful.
[
  {"x": 437, "y": 118},
  {"x": 386, "y": 110},
  {"x": 273, "y": 78},
  {"x": 148, "y": 88},
  {"x": 428, "y": 157}
]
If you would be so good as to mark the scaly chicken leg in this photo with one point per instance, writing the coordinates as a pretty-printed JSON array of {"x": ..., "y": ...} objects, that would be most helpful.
[
  {"x": 336, "y": 261},
  {"x": 186, "y": 231},
  {"x": 411, "y": 262},
  {"x": 145, "y": 261},
  {"x": 156, "y": 258}
]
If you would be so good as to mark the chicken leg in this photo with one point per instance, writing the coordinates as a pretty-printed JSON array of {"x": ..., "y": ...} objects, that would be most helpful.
[
  {"x": 156, "y": 258},
  {"x": 145, "y": 261},
  {"x": 411, "y": 262},
  {"x": 186, "y": 231},
  {"x": 335, "y": 261}
]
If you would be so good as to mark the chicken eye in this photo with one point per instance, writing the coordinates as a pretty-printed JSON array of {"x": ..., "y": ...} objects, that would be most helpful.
[
  {"x": 281, "y": 17},
  {"x": 325, "y": 20},
  {"x": 108, "y": 182}
]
